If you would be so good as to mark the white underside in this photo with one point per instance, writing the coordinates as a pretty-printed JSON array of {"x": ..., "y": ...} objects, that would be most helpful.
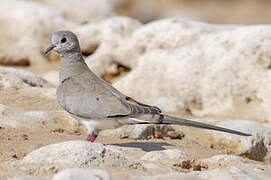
[
  {"x": 95, "y": 125},
  {"x": 108, "y": 123}
]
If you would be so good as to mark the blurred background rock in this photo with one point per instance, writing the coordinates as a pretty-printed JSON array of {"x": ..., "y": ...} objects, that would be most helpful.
[
  {"x": 142, "y": 43},
  {"x": 212, "y": 11},
  {"x": 26, "y": 23}
]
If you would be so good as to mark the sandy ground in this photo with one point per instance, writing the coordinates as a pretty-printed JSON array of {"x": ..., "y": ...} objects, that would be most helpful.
[{"x": 16, "y": 143}]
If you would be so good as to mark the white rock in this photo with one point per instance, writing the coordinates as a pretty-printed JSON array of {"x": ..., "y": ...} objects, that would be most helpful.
[
  {"x": 90, "y": 10},
  {"x": 31, "y": 178},
  {"x": 168, "y": 155},
  {"x": 221, "y": 174},
  {"x": 221, "y": 161},
  {"x": 54, "y": 119},
  {"x": 26, "y": 27},
  {"x": 238, "y": 172},
  {"x": 75, "y": 154},
  {"x": 27, "y": 100},
  {"x": 171, "y": 176},
  {"x": 20, "y": 76},
  {"x": 138, "y": 131},
  {"x": 16, "y": 93},
  {"x": 206, "y": 69},
  {"x": 255, "y": 147},
  {"x": 82, "y": 174},
  {"x": 70, "y": 154},
  {"x": 38, "y": 21},
  {"x": 114, "y": 44}
]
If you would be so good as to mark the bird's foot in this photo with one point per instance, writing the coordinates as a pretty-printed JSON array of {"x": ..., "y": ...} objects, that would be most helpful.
[{"x": 91, "y": 137}]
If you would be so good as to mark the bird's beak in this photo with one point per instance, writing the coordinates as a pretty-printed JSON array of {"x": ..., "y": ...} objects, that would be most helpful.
[{"x": 50, "y": 48}]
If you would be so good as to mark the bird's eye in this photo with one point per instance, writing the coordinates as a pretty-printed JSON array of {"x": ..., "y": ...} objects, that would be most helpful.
[{"x": 63, "y": 40}]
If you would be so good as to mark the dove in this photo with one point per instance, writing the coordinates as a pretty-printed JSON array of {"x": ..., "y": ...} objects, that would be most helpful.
[{"x": 97, "y": 104}]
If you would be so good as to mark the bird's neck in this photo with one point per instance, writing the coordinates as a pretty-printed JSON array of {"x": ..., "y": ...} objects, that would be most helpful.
[{"x": 72, "y": 63}]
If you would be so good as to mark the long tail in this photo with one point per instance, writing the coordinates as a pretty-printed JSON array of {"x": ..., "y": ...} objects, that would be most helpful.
[{"x": 185, "y": 122}]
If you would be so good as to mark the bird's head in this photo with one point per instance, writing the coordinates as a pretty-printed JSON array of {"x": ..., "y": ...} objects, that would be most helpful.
[{"x": 62, "y": 42}]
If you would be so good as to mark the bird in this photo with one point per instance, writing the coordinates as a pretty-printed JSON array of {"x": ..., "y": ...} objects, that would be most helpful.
[{"x": 97, "y": 104}]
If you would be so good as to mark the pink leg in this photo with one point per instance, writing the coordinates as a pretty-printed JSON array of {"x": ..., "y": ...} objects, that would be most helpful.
[{"x": 91, "y": 137}]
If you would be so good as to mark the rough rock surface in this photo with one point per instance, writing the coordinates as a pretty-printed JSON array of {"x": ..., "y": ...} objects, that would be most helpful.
[
  {"x": 234, "y": 173},
  {"x": 26, "y": 77},
  {"x": 82, "y": 174},
  {"x": 31, "y": 178},
  {"x": 256, "y": 147},
  {"x": 27, "y": 100},
  {"x": 173, "y": 176},
  {"x": 170, "y": 154},
  {"x": 26, "y": 43},
  {"x": 114, "y": 42},
  {"x": 238, "y": 172},
  {"x": 205, "y": 69},
  {"x": 73, "y": 154},
  {"x": 90, "y": 10},
  {"x": 16, "y": 117}
]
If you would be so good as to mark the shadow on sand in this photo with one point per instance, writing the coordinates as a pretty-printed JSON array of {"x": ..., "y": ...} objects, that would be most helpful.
[{"x": 145, "y": 146}]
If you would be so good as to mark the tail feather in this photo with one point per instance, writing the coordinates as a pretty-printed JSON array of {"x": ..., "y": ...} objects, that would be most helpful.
[{"x": 185, "y": 122}]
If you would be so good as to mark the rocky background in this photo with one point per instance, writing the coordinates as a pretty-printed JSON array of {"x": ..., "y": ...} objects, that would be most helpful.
[{"x": 161, "y": 52}]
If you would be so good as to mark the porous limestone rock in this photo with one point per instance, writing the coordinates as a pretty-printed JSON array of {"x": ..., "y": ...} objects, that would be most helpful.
[
  {"x": 172, "y": 176},
  {"x": 90, "y": 10},
  {"x": 20, "y": 75},
  {"x": 255, "y": 147},
  {"x": 200, "y": 68},
  {"x": 173, "y": 155},
  {"x": 82, "y": 174},
  {"x": 75, "y": 154},
  {"x": 31, "y": 178},
  {"x": 237, "y": 172},
  {"x": 26, "y": 27},
  {"x": 70, "y": 154}
]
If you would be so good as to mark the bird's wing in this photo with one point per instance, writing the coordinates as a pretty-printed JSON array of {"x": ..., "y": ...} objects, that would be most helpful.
[
  {"x": 138, "y": 109},
  {"x": 86, "y": 98}
]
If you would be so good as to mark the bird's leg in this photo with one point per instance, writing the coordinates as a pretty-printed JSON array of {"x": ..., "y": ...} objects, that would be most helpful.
[
  {"x": 91, "y": 137},
  {"x": 92, "y": 130}
]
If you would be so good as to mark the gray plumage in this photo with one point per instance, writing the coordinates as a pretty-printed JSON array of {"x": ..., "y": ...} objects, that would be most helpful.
[{"x": 89, "y": 98}]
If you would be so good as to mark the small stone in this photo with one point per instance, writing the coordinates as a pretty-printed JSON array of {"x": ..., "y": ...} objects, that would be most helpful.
[
  {"x": 15, "y": 156},
  {"x": 25, "y": 137},
  {"x": 136, "y": 165},
  {"x": 158, "y": 135},
  {"x": 186, "y": 164},
  {"x": 175, "y": 135},
  {"x": 191, "y": 164}
]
